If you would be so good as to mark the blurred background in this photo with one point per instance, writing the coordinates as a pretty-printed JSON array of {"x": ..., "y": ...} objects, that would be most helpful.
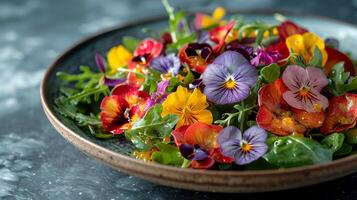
[{"x": 35, "y": 161}]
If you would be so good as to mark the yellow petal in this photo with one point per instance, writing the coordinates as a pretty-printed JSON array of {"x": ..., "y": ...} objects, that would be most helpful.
[
  {"x": 207, "y": 21},
  {"x": 311, "y": 40},
  {"x": 295, "y": 43},
  {"x": 175, "y": 102},
  {"x": 218, "y": 13},
  {"x": 197, "y": 101},
  {"x": 204, "y": 116},
  {"x": 118, "y": 56}
]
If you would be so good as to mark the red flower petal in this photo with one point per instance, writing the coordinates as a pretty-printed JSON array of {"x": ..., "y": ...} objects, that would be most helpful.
[
  {"x": 135, "y": 98},
  {"x": 219, "y": 34},
  {"x": 149, "y": 47},
  {"x": 342, "y": 114},
  {"x": 203, "y": 135},
  {"x": 202, "y": 164},
  {"x": 335, "y": 56},
  {"x": 288, "y": 28},
  {"x": 219, "y": 157},
  {"x": 178, "y": 135},
  {"x": 113, "y": 114}
]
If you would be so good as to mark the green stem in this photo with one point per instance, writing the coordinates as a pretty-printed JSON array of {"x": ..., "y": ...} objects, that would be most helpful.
[{"x": 185, "y": 163}]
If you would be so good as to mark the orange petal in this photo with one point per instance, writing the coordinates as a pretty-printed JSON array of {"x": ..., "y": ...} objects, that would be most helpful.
[
  {"x": 309, "y": 119},
  {"x": 219, "y": 34},
  {"x": 202, "y": 164},
  {"x": 342, "y": 114},
  {"x": 203, "y": 135},
  {"x": 178, "y": 135},
  {"x": 271, "y": 95}
]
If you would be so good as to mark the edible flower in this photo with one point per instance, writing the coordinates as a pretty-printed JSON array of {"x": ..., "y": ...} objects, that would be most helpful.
[
  {"x": 219, "y": 34},
  {"x": 288, "y": 28},
  {"x": 244, "y": 148},
  {"x": 304, "y": 86},
  {"x": 203, "y": 21},
  {"x": 169, "y": 64},
  {"x": 189, "y": 106},
  {"x": 342, "y": 114},
  {"x": 149, "y": 48},
  {"x": 198, "y": 143},
  {"x": 245, "y": 50},
  {"x": 265, "y": 57},
  {"x": 125, "y": 105},
  {"x": 276, "y": 116},
  {"x": 335, "y": 56},
  {"x": 111, "y": 82},
  {"x": 197, "y": 56},
  {"x": 229, "y": 78},
  {"x": 159, "y": 96},
  {"x": 305, "y": 44},
  {"x": 118, "y": 57}
]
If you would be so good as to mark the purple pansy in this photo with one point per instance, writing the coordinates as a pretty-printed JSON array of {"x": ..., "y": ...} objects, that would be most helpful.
[
  {"x": 166, "y": 64},
  {"x": 159, "y": 96},
  {"x": 229, "y": 78},
  {"x": 304, "y": 86},
  {"x": 265, "y": 57},
  {"x": 111, "y": 82},
  {"x": 244, "y": 148}
]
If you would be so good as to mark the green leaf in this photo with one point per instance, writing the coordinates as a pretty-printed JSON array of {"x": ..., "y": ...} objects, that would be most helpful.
[
  {"x": 292, "y": 151},
  {"x": 168, "y": 155},
  {"x": 352, "y": 85},
  {"x": 69, "y": 110},
  {"x": 333, "y": 141},
  {"x": 338, "y": 78},
  {"x": 351, "y": 136},
  {"x": 189, "y": 78},
  {"x": 174, "y": 83},
  {"x": 130, "y": 43},
  {"x": 316, "y": 59},
  {"x": 345, "y": 150},
  {"x": 151, "y": 127},
  {"x": 270, "y": 73}
]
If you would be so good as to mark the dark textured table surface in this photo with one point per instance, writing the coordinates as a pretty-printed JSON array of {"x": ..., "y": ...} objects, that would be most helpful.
[{"x": 35, "y": 161}]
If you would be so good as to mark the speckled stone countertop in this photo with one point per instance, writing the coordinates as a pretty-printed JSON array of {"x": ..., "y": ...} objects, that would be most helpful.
[{"x": 35, "y": 161}]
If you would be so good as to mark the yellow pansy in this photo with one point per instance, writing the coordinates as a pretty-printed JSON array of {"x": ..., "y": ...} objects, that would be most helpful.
[
  {"x": 189, "y": 106},
  {"x": 305, "y": 45},
  {"x": 118, "y": 56},
  {"x": 207, "y": 21}
]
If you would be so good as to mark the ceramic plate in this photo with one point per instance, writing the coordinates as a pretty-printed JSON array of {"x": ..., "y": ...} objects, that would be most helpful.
[{"x": 116, "y": 153}]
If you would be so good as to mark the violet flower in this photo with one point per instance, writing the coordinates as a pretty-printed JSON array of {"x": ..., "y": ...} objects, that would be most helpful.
[
  {"x": 304, "y": 86},
  {"x": 166, "y": 64},
  {"x": 159, "y": 96},
  {"x": 246, "y": 51},
  {"x": 111, "y": 82},
  {"x": 265, "y": 57},
  {"x": 229, "y": 78},
  {"x": 244, "y": 148}
]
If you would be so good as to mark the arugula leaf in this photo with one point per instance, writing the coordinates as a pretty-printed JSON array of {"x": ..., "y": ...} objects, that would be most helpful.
[
  {"x": 71, "y": 111},
  {"x": 316, "y": 59},
  {"x": 168, "y": 154},
  {"x": 151, "y": 128},
  {"x": 130, "y": 43},
  {"x": 333, "y": 142},
  {"x": 270, "y": 73},
  {"x": 292, "y": 151}
]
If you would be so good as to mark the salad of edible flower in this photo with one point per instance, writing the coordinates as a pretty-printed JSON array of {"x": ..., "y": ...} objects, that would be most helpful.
[{"x": 217, "y": 92}]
